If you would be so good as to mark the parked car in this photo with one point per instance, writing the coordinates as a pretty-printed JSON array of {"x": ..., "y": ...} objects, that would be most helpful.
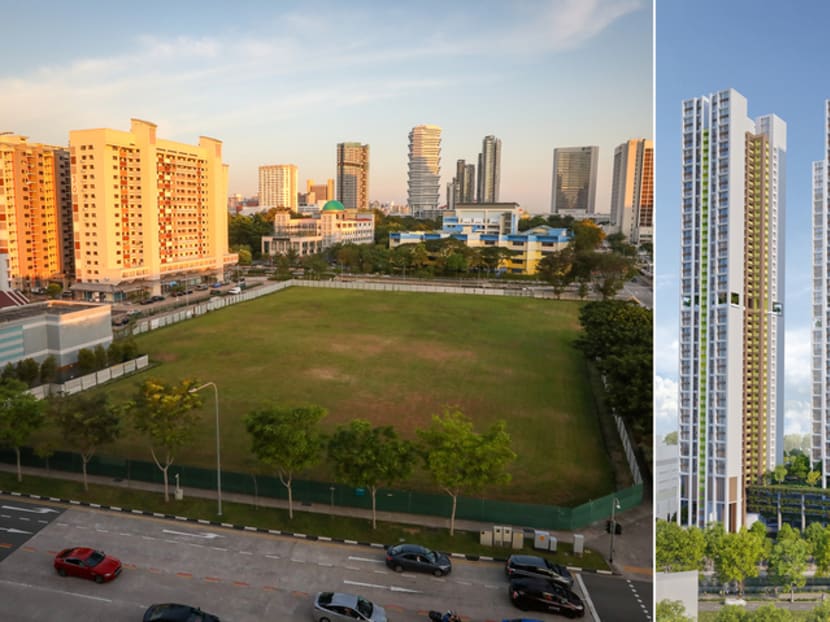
[
  {"x": 544, "y": 595},
  {"x": 418, "y": 558},
  {"x": 235, "y": 290},
  {"x": 539, "y": 567},
  {"x": 333, "y": 606},
  {"x": 87, "y": 563},
  {"x": 156, "y": 298},
  {"x": 171, "y": 612},
  {"x": 217, "y": 285},
  {"x": 120, "y": 321}
]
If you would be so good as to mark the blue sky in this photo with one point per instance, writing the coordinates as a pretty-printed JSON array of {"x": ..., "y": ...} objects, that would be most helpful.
[
  {"x": 777, "y": 57},
  {"x": 284, "y": 82}
]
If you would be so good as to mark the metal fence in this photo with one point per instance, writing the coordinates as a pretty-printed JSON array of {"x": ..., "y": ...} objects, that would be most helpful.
[{"x": 331, "y": 494}]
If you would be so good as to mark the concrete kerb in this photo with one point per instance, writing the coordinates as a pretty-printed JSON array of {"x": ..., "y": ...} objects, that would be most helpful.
[{"x": 274, "y": 532}]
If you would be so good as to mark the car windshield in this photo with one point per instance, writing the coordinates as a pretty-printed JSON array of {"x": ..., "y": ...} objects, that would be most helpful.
[
  {"x": 94, "y": 559},
  {"x": 364, "y": 607},
  {"x": 431, "y": 557}
]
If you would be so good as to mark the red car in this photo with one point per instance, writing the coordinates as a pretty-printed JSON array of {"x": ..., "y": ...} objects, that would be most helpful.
[{"x": 87, "y": 563}]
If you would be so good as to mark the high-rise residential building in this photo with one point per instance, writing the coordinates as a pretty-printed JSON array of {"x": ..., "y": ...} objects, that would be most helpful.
[
  {"x": 322, "y": 192},
  {"x": 574, "y": 179},
  {"x": 36, "y": 211},
  {"x": 278, "y": 186},
  {"x": 424, "y": 168},
  {"x": 489, "y": 170},
  {"x": 820, "y": 436},
  {"x": 632, "y": 190},
  {"x": 731, "y": 386},
  {"x": 464, "y": 182},
  {"x": 147, "y": 211},
  {"x": 353, "y": 175}
]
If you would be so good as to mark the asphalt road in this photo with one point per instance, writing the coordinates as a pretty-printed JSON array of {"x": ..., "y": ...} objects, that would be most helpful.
[
  {"x": 617, "y": 599},
  {"x": 239, "y": 575},
  {"x": 19, "y": 521}
]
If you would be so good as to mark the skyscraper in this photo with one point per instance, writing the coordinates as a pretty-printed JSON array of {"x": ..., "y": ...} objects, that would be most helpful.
[
  {"x": 146, "y": 209},
  {"x": 353, "y": 175},
  {"x": 278, "y": 186},
  {"x": 424, "y": 168},
  {"x": 489, "y": 170},
  {"x": 820, "y": 437},
  {"x": 574, "y": 179},
  {"x": 632, "y": 190},
  {"x": 731, "y": 387},
  {"x": 36, "y": 210},
  {"x": 464, "y": 182}
]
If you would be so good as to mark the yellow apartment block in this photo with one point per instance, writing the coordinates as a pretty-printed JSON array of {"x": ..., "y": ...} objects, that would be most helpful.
[
  {"x": 35, "y": 212},
  {"x": 146, "y": 211}
]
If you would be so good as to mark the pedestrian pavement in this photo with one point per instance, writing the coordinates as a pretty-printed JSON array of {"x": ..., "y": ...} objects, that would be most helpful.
[{"x": 632, "y": 555}]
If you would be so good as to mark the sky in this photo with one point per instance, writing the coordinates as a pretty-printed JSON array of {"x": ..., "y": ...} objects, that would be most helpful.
[
  {"x": 284, "y": 82},
  {"x": 778, "y": 59}
]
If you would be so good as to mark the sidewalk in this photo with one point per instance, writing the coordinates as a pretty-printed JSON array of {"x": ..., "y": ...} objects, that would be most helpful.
[{"x": 633, "y": 549}]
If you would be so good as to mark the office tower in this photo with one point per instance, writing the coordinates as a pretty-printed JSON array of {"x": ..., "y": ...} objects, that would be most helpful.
[
  {"x": 632, "y": 190},
  {"x": 353, "y": 175},
  {"x": 731, "y": 385},
  {"x": 820, "y": 437},
  {"x": 36, "y": 210},
  {"x": 278, "y": 186},
  {"x": 574, "y": 179},
  {"x": 424, "y": 168},
  {"x": 489, "y": 170},
  {"x": 322, "y": 192},
  {"x": 146, "y": 209}
]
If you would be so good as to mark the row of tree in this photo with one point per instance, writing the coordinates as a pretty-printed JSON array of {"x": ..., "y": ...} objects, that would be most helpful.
[
  {"x": 736, "y": 556},
  {"x": 288, "y": 440},
  {"x": 673, "y": 611}
]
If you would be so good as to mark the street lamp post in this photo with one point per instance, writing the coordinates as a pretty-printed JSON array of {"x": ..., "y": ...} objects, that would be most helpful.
[
  {"x": 615, "y": 505},
  {"x": 218, "y": 459}
]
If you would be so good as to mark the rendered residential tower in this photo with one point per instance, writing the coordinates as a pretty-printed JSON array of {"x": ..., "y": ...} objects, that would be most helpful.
[
  {"x": 489, "y": 170},
  {"x": 632, "y": 191},
  {"x": 278, "y": 186},
  {"x": 353, "y": 175},
  {"x": 424, "y": 168},
  {"x": 731, "y": 309}
]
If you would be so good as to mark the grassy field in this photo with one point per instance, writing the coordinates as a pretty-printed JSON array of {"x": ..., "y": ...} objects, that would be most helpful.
[{"x": 394, "y": 358}]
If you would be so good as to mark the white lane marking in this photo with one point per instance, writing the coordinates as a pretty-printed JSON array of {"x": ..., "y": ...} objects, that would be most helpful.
[
  {"x": 273, "y": 556},
  {"x": 31, "y": 510},
  {"x": 245, "y": 552},
  {"x": 13, "y": 530},
  {"x": 208, "y": 534},
  {"x": 40, "y": 587},
  {"x": 586, "y": 598},
  {"x": 391, "y": 588},
  {"x": 366, "y": 559},
  {"x": 351, "y": 568}
]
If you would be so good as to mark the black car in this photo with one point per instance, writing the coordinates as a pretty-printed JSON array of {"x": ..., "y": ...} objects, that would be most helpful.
[
  {"x": 539, "y": 567},
  {"x": 402, "y": 557},
  {"x": 544, "y": 595},
  {"x": 171, "y": 612}
]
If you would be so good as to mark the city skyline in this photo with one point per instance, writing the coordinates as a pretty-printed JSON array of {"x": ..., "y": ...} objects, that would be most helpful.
[{"x": 288, "y": 83}]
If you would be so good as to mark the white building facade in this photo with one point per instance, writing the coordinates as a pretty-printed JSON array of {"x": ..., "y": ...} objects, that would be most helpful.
[
  {"x": 731, "y": 307},
  {"x": 424, "y": 169},
  {"x": 632, "y": 190},
  {"x": 278, "y": 186}
]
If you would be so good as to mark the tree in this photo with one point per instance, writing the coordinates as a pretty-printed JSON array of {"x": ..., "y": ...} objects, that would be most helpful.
[
  {"x": 739, "y": 557},
  {"x": 788, "y": 559},
  {"x": 101, "y": 360},
  {"x": 821, "y": 613},
  {"x": 671, "y": 611},
  {"x": 733, "y": 613},
  {"x": 798, "y": 464},
  {"x": 21, "y": 413},
  {"x": 48, "y": 369},
  {"x": 818, "y": 537},
  {"x": 460, "y": 460},
  {"x": 813, "y": 478},
  {"x": 53, "y": 290},
  {"x": 367, "y": 456},
  {"x": 678, "y": 549},
  {"x": 28, "y": 371},
  {"x": 770, "y": 613},
  {"x": 244, "y": 253},
  {"x": 86, "y": 361},
  {"x": 86, "y": 421},
  {"x": 612, "y": 271},
  {"x": 288, "y": 440},
  {"x": 166, "y": 415},
  {"x": 557, "y": 269},
  {"x": 779, "y": 474},
  {"x": 670, "y": 438}
]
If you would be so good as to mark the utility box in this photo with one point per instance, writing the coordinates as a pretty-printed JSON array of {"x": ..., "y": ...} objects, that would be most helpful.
[
  {"x": 579, "y": 544},
  {"x": 506, "y": 536},
  {"x": 518, "y": 539},
  {"x": 485, "y": 537},
  {"x": 498, "y": 535},
  {"x": 179, "y": 494},
  {"x": 541, "y": 540},
  {"x": 553, "y": 543}
]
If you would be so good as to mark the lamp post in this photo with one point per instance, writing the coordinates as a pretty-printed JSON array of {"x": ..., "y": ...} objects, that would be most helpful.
[
  {"x": 615, "y": 505},
  {"x": 218, "y": 459}
]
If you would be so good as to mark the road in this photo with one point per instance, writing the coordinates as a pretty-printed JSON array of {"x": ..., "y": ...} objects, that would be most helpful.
[{"x": 238, "y": 575}]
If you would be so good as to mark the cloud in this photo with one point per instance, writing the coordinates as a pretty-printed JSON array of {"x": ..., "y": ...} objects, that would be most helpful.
[
  {"x": 797, "y": 417},
  {"x": 797, "y": 363},
  {"x": 665, "y": 405}
]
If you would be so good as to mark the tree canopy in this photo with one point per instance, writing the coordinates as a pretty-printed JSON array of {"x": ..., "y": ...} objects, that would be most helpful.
[{"x": 21, "y": 413}]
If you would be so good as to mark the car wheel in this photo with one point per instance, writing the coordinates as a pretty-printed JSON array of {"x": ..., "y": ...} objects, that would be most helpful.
[
  {"x": 438, "y": 572},
  {"x": 62, "y": 572},
  {"x": 99, "y": 579},
  {"x": 324, "y": 620},
  {"x": 398, "y": 568}
]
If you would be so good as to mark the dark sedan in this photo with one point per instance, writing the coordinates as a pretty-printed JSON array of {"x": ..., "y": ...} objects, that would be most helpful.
[
  {"x": 171, "y": 612},
  {"x": 418, "y": 558},
  {"x": 87, "y": 563},
  {"x": 543, "y": 595},
  {"x": 538, "y": 567}
]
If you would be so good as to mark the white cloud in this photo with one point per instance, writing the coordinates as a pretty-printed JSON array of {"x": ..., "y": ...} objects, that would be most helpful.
[
  {"x": 797, "y": 363},
  {"x": 665, "y": 405},
  {"x": 797, "y": 417}
]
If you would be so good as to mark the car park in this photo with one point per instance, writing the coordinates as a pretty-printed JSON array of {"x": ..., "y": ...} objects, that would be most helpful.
[
  {"x": 340, "y": 607},
  {"x": 172, "y": 612},
  {"x": 539, "y": 567},
  {"x": 415, "y": 557},
  {"x": 544, "y": 595},
  {"x": 87, "y": 563}
]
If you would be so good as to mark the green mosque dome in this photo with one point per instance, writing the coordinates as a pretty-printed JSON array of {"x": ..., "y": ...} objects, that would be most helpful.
[{"x": 332, "y": 206}]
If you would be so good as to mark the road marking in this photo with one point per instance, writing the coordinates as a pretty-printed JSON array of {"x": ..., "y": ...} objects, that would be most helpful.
[
  {"x": 586, "y": 597},
  {"x": 13, "y": 530},
  {"x": 208, "y": 535},
  {"x": 366, "y": 559},
  {"x": 38, "y": 587},
  {"x": 32, "y": 510},
  {"x": 392, "y": 588}
]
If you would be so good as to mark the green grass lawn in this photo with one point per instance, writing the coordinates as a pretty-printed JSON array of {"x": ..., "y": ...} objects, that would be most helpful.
[{"x": 393, "y": 358}]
